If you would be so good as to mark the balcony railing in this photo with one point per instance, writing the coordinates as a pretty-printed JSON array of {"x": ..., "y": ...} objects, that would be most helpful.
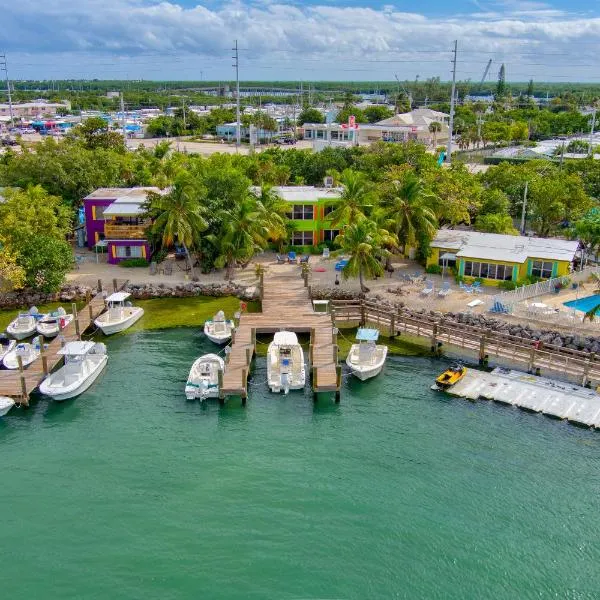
[{"x": 116, "y": 231}]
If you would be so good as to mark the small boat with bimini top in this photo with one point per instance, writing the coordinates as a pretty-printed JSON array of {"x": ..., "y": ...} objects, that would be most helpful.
[
  {"x": 6, "y": 404},
  {"x": 366, "y": 359},
  {"x": 450, "y": 376},
  {"x": 218, "y": 329},
  {"x": 285, "y": 363},
  {"x": 120, "y": 314},
  {"x": 24, "y": 325},
  {"x": 51, "y": 324},
  {"x": 27, "y": 352},
  {"x": 203, "y": 380},
  {"x": 84, "y": 361}
]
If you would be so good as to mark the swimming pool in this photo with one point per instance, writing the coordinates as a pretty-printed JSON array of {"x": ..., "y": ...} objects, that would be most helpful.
[{"x": 584, "y": 304}]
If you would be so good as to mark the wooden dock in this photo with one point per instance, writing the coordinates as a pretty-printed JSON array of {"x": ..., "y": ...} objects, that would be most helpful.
[
  {"x": 583, "y": 367},
  {"x": 286, "y": 305},
  {"x": 19, "y": 384}
]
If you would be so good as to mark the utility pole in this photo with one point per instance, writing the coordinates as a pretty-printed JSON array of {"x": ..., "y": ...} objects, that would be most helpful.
[
  {"x": 123, "y": 117},
  {"x": 452, "y": 102},
  {"x": 4, "y": 67},
  {"x": 183, "y": 109},
  {"x": 590, "y": 150},
  {"x": 238, "y": 128},
  {"x": 524, "y": 209}
]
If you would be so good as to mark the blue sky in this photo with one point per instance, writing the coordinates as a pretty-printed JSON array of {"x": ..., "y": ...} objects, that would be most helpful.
[{"x": 309, "y": 40}]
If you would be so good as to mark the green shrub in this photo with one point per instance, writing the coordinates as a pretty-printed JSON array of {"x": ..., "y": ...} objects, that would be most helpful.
[
  {"x": 508, "y": 285},
  {"x": 160, "y": 255},
  {"x": 434, "y": 269},
  {"x": 134, "y": 262}
]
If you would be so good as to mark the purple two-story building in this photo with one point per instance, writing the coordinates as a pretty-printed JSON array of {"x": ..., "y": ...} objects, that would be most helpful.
[{"x": 115, "y": 216}]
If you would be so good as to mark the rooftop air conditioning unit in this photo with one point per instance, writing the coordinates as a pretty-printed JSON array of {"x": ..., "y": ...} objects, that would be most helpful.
[{"x": 328, "y": 181}]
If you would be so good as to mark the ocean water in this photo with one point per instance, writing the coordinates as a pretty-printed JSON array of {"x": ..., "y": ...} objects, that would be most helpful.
[{"x": 131, "y": 492}]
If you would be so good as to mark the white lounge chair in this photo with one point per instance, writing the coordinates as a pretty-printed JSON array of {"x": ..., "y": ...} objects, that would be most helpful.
[{"x": 445, "y": 290}]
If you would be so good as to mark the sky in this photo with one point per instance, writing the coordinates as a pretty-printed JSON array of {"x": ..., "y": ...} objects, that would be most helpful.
[{"x": 300, "y": 40}]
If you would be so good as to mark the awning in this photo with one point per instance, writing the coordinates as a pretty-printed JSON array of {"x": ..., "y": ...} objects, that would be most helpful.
[
  {"x": 101, "y": 244},
  {"x": 448, "y": 256},
  {"x": 124, "y": 209}
]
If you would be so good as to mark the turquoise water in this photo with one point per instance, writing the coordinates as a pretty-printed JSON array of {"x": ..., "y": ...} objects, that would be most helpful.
[
  {"x": 584, "y": 304},
  {"x": 398, "y": 492}
]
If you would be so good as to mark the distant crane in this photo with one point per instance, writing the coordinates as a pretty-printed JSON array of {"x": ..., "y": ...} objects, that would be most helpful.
[{"x": 485, "y": 74}]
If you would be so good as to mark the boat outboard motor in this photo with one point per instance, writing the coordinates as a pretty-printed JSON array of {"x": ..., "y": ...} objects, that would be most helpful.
[
  {"x": 4, "y": 340},
  {"x": 285, "y": 383}
]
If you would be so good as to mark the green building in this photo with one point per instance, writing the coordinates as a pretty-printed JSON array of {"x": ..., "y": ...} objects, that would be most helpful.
[{"x": 310, "y": 208}]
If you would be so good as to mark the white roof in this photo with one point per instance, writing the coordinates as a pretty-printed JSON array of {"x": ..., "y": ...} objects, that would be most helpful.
[
  {"x": 306, "y": 193},
  {"x": 508, "y": 248},
  {"x": 285, "y": 338},
  {"x": 76, "y": 348},
  {"x": 118, "y": 297},
  {"x": 124, "y": 209}
]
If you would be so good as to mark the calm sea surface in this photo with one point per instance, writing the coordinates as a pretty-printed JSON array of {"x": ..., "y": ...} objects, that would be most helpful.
[{"x": 129, "y": 491}]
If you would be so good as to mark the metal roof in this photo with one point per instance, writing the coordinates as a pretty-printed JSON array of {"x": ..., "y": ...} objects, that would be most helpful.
[
  {"x": 76, "y": 348},
  {"x": 118, "y": 297},
  {"x": 367, "y": 335}
]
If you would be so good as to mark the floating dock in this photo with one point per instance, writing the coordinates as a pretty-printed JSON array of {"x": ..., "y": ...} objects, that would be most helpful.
[
  {"x": 286, "y": 305},
  {"x": 535, "y": 394}
]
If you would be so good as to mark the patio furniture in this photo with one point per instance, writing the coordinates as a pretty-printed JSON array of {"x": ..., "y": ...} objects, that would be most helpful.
[
  {"x": 168, "y": 268},
  {"x": 468, "y": 289},
  {"x": 304, "y": 259},
  {"x": 498, "y": 307},
  {"x": 325, "y": 252},
  {"x": 341, "y": 264},
  {"x": 291, "y": 256},
  {"x": 428, "y": 289},
  {"x": 475, "y": 303},
  {"x": 153, "y": 269},
  {"x": 445, "y": 289},
  {"x": 280, "y": 259},
  {"x": 477, "y": 287}
]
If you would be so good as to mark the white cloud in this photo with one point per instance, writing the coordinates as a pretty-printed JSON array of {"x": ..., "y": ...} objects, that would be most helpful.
[{"x": 289, "y": 40}]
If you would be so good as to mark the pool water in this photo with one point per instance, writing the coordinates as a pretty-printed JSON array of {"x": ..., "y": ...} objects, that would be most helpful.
[{"x": 584, "y": 304}]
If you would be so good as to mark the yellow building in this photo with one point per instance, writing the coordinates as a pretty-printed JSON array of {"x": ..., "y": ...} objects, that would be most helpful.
[{"x": 494, "y": 257}]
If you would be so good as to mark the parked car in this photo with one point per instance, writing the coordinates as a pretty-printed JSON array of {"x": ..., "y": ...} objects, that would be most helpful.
[
  {"x": 8, "y": 142},
  {"x": 285, "y": 141}
]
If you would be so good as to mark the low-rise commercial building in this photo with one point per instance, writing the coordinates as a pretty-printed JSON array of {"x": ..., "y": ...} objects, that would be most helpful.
[
  {"x": 33, "y": 109},
  {"x": 494, "y": 257}
]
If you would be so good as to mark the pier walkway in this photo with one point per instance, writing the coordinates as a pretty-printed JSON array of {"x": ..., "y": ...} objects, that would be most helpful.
[
  {"x": 286, "y": 305},
  {"x": 20, "y": 383}
]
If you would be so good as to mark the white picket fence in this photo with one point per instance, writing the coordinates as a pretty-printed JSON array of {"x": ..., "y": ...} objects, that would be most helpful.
[{"x": 510, "y": 299}]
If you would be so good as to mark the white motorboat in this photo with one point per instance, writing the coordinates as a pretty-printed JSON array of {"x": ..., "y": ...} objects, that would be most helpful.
[
  {"x": 218, "y": 329},
  {"x": 51, "y": 324},
  {"x": 6, "y": 345},
  {"x": 366, "y": 359},
  {"x": 203, "y": 380},
  {"x": 120, "y": 314},
  {"x": 24, "y": 325},
  {"x": 6, "y": 404},
  {"x": 285, "y": 363},
  {"x": 84, "y": 361},
  {"x": 27, "y": 352}
]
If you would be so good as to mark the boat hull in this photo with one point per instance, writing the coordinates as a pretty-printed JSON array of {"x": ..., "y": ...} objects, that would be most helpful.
[
  {"x": 277, "y": 380},
  {"x": 50, "y": 330},
  {"x": 200, "y": 387},
  {"x": 364, "y": 372},
  {"x": 5, "y": 405},
  {"x": 10, "y": 359},
  {"x": 77, "y": 388},
  {"x": 21, "y": 334},
  {"x": 108, "y": 328},
  {"x": 218, "y": 338}
]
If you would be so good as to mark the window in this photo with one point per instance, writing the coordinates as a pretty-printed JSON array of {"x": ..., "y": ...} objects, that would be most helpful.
[
  {"x": 328, "y": 209},
  {"x": 302, "y": 238},
  {"x": 99, "y": 212},
  {"x": 308, "y": 134},
  {"x": 129, "y": 221},
  {"x": 542, "y": 269},
  {"x": 488, "y": 271},
  {"x": 129, "y": 251},
  {"x": 330, "y": 234},
  {"x": 301, "y": 212}
]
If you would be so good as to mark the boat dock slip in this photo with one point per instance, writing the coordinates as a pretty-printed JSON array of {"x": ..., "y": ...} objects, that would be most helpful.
[
  {"x": 20, "y": 383},
  {"x": 286, "y": 305},
  {"x": 536, "y": 394}
]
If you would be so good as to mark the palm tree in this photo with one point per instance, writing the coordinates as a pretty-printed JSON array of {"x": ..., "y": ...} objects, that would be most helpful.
[
  {"x": 404, "y": 210},
  {"x": 365, "y": 243},
  {"x": 435, "y": 127},
  {"x": 178, "y": 215},
  {"x": 591, "y": 314},
  {"x": 275, "y": 216},
  {"x": 356, "y": 199},
  {"x": 244, "y": 231}
]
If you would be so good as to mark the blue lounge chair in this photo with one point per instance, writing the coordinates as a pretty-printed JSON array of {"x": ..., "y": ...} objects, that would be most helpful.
[
  {"x": 428, "y": 289},
  {"x": 477, "y": 287},
  {"x": 445, "y": 289},
  {"x": 341, "y": 264},
  {"x": 498, "y": 307},
  {"x": 291, "y": 256},
  {"x": 465, "y": 288}
]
